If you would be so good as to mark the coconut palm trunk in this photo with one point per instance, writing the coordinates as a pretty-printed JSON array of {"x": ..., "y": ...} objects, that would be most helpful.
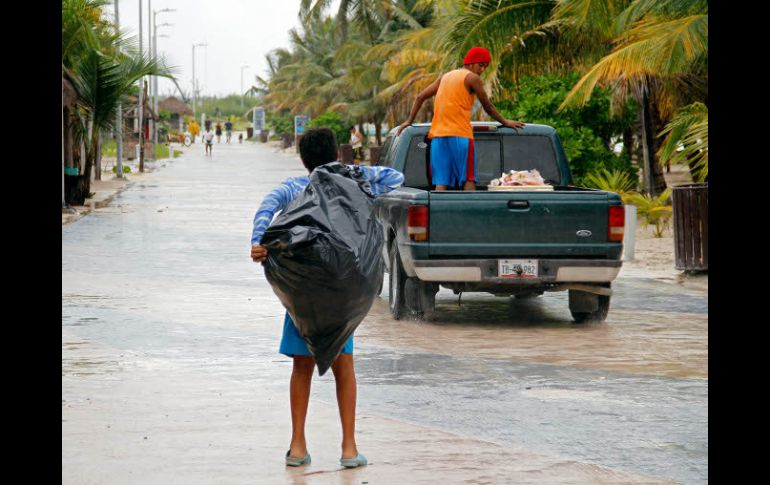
[{"x": 654, "y": 180}]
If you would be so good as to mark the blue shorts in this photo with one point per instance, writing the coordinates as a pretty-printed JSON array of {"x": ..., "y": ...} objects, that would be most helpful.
[
  {"x": 452, "y": 160},
  {"x": 292, "y": 343}
]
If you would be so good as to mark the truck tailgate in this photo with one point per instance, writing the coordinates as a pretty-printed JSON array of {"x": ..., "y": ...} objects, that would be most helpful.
[{"x": 504, "y": 224}]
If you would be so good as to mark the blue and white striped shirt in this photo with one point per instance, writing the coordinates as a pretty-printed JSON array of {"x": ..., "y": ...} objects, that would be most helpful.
[{"x": 381, "y": 179}]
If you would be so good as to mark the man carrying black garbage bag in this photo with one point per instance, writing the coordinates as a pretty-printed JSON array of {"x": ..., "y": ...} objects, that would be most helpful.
[{"x": 323, "y": 235}]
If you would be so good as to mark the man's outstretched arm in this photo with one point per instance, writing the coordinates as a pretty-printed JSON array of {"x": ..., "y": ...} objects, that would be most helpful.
[
  {"x": 426, "y": 93},
  {"x": 477, "y": 86}
]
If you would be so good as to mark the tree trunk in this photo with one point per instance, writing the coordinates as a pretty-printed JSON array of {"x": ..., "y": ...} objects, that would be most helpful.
[
  {"x": 657, "y": 124},
  {"x": 98, "y": 159},
  {"x": 378, "y": 129},
  {"x": 654, "y": 182},
  {"x": 628, "y": 143}
]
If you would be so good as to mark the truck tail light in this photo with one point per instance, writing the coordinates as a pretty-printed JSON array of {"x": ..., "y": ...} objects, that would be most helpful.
[
  {"x": 417, "y": 223},
  {"x": 617, "y": 215}
]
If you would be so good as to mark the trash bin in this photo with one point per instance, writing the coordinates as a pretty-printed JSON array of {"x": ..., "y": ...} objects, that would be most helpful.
[
  {"x": 249, "y": 132},
  {"x": 374, "y": 155},
  {"x": 263, "y": 136},
  {"x": 346, "y": 153},
  {"x": 691, "y": 228}
]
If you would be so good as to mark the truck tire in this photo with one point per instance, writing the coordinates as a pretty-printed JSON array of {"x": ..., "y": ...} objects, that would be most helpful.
[
  {"x": 597, "y": 315},
  {"x": 396, "y": 284}
]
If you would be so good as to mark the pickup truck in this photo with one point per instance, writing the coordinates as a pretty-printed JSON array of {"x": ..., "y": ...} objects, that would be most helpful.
[{"x": 508, "y": 243}]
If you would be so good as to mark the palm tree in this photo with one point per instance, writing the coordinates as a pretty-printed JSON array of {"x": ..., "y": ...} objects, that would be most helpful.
[
  {"x": 688, "y": 129},
  {"x": 660, "y": 57},
  {"x": 102, "y": 65}
]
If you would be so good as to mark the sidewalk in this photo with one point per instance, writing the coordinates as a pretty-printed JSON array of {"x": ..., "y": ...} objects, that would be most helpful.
[{"x": 106, "y": 189}]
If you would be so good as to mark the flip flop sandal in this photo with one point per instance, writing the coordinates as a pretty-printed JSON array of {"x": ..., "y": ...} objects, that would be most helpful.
[
  {"x": 292, "y": 461},
  {"x": 359, "y": 460}
]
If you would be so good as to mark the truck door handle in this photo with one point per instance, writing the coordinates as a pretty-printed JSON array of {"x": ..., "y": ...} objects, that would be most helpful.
[{"x": 518, "y": 204}]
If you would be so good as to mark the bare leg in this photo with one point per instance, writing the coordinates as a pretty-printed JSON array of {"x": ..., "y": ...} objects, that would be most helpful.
[
  {"x": 469, "y": 185},
  {"x": 299, "y": 395},
  {"x": 345, "y": 378},
  {"x": 441, "y": 187}
]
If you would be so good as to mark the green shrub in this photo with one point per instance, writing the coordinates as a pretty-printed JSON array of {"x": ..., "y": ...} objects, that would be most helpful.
[
  {"x": 126, "y": 169},
  {"x": 334, "y": 122},
  {"x": 281, "y": 124},
  {"x": 613, "y": 181},
  {"x": 654, "y": 210},
  {"x": 585, "y": 132},
  {"x": 161, "y": 151}
]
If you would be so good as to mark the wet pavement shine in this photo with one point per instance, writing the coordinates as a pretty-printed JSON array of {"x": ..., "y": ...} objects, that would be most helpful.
[{"x": 170, "y": 370}]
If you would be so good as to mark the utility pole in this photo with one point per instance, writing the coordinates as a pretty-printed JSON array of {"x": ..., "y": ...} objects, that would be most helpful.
[
  {"x": 118, "y": 118},
  {"x": 141, "y": 98},
  {"x": 141, "y": 153},
  {"x": 150, "y": 40},
  {"x": 201, "y": 44},
  {"x": 242, "y": 67},
  {"x": 154, "y": 79}
]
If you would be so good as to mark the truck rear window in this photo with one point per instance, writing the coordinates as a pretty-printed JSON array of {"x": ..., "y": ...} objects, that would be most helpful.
[{"x": 518, "y": 152}]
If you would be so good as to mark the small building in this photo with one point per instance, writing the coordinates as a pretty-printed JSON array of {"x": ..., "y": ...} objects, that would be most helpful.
[{"x": 178, "y": 109}]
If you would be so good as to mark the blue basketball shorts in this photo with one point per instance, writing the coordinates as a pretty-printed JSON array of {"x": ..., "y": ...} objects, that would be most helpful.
[
  {"x": 293, "y": 344},
  {"x": 452, "y": 160}
]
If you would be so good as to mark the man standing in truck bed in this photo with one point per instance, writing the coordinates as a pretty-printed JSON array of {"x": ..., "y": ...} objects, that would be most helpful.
[{"x": 452, "y": 155}]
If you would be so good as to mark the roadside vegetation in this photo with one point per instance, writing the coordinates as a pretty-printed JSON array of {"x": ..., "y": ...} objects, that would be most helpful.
[{"x": 102, "y": 66}]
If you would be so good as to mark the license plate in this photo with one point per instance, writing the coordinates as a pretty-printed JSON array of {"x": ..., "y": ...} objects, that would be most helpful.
[{"x": 517, "y": 268}]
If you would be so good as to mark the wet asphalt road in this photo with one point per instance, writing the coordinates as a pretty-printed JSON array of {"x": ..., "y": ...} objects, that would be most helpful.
[{"x": 163, "y": 274}]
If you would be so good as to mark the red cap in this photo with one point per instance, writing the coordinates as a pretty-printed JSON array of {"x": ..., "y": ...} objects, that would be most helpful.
[{"x": 477, "y": 54}]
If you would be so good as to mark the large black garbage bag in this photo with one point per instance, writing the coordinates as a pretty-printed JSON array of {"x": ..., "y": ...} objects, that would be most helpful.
[{"x": 325, "y": 258}]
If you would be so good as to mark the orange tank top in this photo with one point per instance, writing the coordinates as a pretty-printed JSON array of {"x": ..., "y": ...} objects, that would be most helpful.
[{"x": 452, "y": 108}]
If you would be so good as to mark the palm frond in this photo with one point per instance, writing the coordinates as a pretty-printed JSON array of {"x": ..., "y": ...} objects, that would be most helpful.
[{"x": 655, "y": 47}]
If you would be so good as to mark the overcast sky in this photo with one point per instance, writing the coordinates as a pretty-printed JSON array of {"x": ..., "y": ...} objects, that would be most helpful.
[{"x": 237, "y": 32}]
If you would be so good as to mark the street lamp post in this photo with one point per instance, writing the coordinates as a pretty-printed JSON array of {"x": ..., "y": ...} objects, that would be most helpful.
[
  {"x": 201, "y": 44},
  {"x": 118, "y": 118},
  {"x": 141, "y": 98},
  {"x": 154, "y": 83},
  {"x": 242, "y": 68}
]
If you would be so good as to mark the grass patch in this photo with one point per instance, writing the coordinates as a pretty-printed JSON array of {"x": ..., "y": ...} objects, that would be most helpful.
[
  {"x": 161, "y": 151},
  {"x": 109, "y": 148}
]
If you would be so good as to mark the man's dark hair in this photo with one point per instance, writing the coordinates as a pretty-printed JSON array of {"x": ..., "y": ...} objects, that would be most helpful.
[{"x": 317, "y": 147}]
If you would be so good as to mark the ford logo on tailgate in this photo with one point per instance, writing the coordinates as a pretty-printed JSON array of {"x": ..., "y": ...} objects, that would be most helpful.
[{"x": 584, "y": 233}]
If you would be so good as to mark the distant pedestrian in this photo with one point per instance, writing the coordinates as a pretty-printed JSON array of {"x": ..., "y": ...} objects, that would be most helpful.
[
  {"x": 228, "y": 130},
  {"x": 356, "y": 140},
  {"x": 219, "y": 132},
  {"x": 208, "y": 125},
  {"x": 208, "y": 138},
  {"x": 240, "y": 137},
  {"x": 194, "y": 129}
]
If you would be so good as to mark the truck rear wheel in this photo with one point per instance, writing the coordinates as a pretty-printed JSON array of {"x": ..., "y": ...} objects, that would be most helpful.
[
  {"x": 588, "y": 307},
  {"x": 396, "y": 285}
]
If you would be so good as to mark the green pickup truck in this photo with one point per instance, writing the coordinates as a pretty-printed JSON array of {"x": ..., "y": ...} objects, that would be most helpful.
[{"x": 508, "y": 243}]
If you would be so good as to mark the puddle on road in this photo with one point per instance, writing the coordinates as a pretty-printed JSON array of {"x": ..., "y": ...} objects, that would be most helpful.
[{"x": 541, "y": 331}]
